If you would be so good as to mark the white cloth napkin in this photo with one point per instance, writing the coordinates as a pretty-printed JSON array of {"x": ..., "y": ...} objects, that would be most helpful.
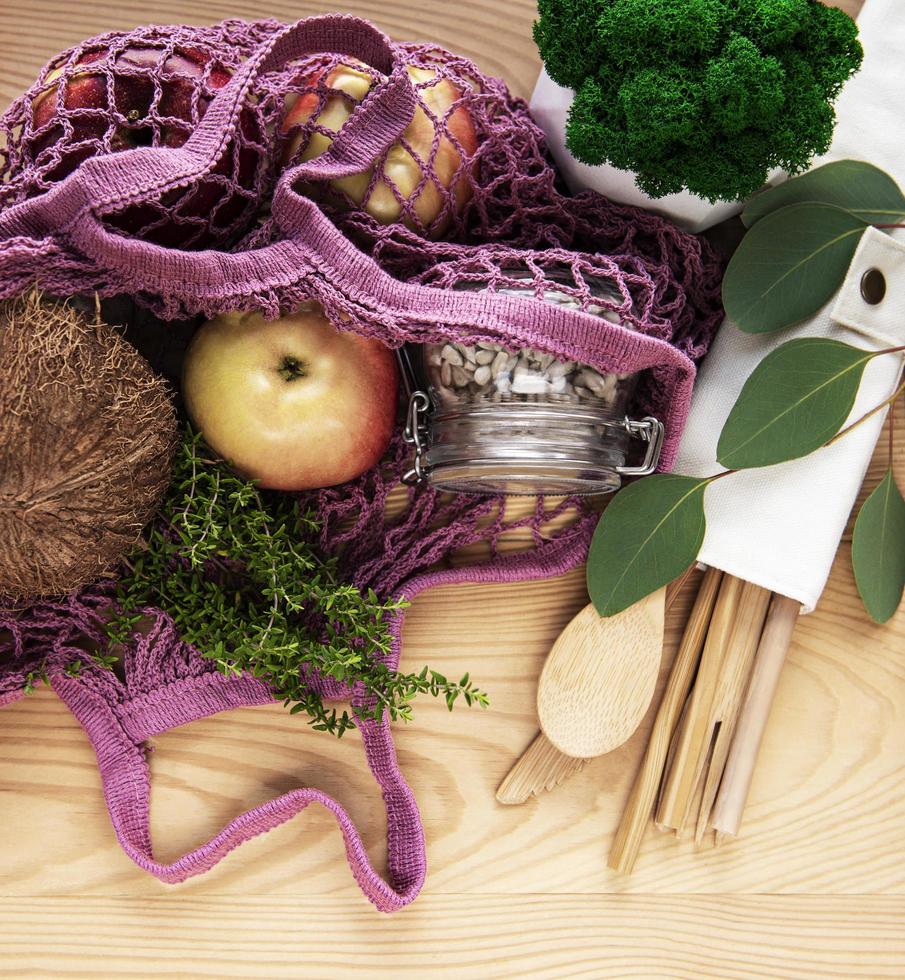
[{"x": 780, "y": 526}]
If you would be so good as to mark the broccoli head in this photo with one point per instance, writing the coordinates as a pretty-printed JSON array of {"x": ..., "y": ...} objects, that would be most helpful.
[{"x": 708, "y": 95}]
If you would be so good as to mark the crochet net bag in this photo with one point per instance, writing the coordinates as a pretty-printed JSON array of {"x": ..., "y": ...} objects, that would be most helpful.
[{"x": 162, "y": 203}]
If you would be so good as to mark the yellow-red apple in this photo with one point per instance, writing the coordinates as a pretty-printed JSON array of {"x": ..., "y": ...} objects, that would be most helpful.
[
  {"x": 403, "y": 169},
  {"x": 292, "y": 403}
]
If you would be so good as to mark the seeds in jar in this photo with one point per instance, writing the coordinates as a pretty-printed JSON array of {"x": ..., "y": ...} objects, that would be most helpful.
[
  {"x": 486, "y": 370},
  {"x": 452, "y": 355}
]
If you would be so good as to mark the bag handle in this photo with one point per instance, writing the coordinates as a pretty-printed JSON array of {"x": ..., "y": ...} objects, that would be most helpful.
[
  {"x": 117, "y": 735},
  {"x": 125, "y": 775}
]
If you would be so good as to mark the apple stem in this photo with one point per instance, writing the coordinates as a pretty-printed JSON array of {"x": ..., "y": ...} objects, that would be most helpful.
[{"x": 291, "y": 368}]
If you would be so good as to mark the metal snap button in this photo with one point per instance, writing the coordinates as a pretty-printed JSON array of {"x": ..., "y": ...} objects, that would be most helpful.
[{"x": 873, "y": 286}]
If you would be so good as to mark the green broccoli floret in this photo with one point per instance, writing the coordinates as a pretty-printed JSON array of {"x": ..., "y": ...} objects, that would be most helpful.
[
  {"x": 566, "y": 34},
  {"x": 670, "y": 30},
  {"x": 743, "y": 88},
  {"x": 708, "y": 95}
]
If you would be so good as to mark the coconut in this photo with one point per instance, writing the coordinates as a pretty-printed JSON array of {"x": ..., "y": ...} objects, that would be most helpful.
[{"x": 87, "y": 436}]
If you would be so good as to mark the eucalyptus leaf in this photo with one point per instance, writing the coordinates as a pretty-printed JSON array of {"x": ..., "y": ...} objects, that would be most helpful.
[
  {"x": 796, "y": 399},
  {"x": 788, "y": 265},
  {"x": 861, "y": 188},
  {"x": 650, "y": 533},
  {"x": 878, "y": 550}
]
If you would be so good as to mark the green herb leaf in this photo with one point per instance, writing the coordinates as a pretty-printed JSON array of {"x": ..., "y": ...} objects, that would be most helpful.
[
  {"x": 794, "y": 401},
  {"x": 789, "y": 265},
  {"x": 878, "y": 550},
  {"x": 648, "y": 535},
  {"x": 866, "y": 191},
  {"x": 239, "y": 571}
]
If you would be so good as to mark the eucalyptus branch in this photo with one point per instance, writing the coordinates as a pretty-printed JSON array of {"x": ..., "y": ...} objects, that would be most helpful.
[
  {"x": 877, "y": 408},
  {"x": 795, "y": 402},
  {"x": 888, "y": 350},
  {"x": 891, "y": 427}
]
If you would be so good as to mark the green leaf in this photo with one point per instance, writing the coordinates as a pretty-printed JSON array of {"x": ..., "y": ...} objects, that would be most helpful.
[
  {"x": 789, "y": 265},
  {"x": 878, "y": 550},
  {"x": 860, "y": 188},
  {"x": 794, "y": 401},
  {"x": 648, "y": 535}
]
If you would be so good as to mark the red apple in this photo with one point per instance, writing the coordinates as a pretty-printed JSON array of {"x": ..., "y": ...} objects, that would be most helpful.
[
  {"x": 292, "y": 403},
  {"x": 404, "y": 165},
  {"x": 132, "y": 119}
]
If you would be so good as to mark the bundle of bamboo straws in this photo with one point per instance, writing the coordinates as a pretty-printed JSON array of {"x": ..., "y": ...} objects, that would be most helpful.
[{"x": 697, "y": 768}]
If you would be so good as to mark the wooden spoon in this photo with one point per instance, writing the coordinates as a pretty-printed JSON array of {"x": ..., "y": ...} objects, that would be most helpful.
[
  {"x": 600, "y": 676},
  {"x": 594, "y": 690}
]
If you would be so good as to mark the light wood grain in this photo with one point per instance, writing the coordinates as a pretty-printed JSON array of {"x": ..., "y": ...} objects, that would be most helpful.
[
  {"x": 516, "y": 892},
  {"x": 464, "y": 937}
]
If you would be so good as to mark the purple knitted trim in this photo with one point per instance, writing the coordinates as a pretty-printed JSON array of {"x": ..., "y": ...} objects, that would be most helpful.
[
  {"x": 9, "y": 696},
  {"x": 180, "y": 702}
]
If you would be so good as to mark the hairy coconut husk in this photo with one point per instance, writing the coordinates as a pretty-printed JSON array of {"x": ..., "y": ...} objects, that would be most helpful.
[{"x": 87, "y": 436}]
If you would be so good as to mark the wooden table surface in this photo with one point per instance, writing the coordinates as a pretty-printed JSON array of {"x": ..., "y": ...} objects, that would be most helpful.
[{"x": 813, "y": 888}]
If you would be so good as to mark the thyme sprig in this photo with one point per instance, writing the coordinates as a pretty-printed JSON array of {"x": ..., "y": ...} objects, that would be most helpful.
[{"x": 237, "y": 569}]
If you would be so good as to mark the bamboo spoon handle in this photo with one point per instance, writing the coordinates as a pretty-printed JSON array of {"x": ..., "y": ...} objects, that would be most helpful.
[
  {"x": 540, "y": 768},
  {"x": 640, "y": 805},
  {"x": 752, "y": 720}
]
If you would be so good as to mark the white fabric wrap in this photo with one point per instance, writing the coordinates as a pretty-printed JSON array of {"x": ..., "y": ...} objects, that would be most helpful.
[{"x": 780, "y": 526}]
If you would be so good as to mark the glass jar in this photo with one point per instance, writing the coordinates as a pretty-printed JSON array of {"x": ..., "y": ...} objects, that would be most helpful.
[{"x": 484, "y": 418}]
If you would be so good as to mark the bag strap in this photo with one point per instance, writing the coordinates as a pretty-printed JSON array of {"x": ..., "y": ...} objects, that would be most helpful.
[{"x": 125, "y": 775}]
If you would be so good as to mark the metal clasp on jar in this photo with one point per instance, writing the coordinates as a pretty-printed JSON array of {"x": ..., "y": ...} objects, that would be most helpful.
[
  {"x": 651, "y": 431},
  {"x": 416, "y": 434}
]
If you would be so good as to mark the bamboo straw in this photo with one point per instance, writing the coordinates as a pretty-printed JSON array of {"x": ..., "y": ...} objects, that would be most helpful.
[
  {"x": 684, "y": 777},
  {"x": 733, "y": 682},
  {"x": 677, "y": 734},
  {"x": 640, "y": 804},
  {"x": 771, "y": 654}
]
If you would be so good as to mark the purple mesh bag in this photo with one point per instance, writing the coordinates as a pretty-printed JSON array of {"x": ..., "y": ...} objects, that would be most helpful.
[{"x": 172, "y": 223}]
